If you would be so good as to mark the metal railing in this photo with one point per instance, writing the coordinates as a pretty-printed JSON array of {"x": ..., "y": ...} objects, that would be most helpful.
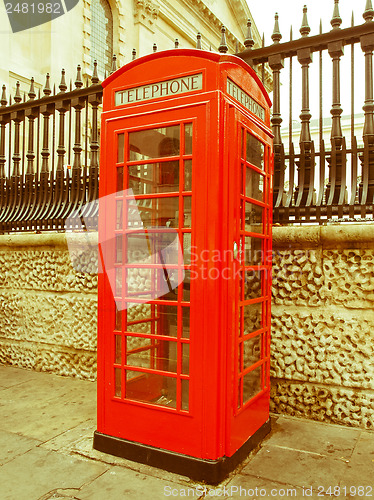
[{"x": 321, "y": 183}]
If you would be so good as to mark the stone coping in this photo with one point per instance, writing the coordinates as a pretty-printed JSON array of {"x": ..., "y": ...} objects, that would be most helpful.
[{"x": 334, "y": 236}]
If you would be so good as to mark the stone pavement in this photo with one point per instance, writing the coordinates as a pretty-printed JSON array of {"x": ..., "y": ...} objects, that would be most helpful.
[{"x": 46, "y": 428}]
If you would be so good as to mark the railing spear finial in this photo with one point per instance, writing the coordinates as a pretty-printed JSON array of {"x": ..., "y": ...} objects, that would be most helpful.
[
  {"x": 78, "y": 81},
  {"x": 17, "y": 95},
  {"x": 198, "y": 41},
  {"x": 47, "y": 89},
  {"x": 176, "y": 43},
  {"x": 63, "y": 87},
  {"x": 32, "y": 93},
  {"x": 276, "y": 36},
  {"x": 155, "y": 47},
  {"x": 249, "y": 42},
  {"x": 223, "y": 48},
  {"x": 95, "y": 76},
  {"x": 305, "y": 28},
  {"x": 3, "y": 100},
  {"x": 368, "y": 15},
  {"x": 133, "y": 54},
  {"x": 336, "y": 20}
]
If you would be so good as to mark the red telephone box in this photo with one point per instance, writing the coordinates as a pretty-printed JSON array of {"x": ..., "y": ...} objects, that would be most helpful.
[{"x": 185, "y": 240}]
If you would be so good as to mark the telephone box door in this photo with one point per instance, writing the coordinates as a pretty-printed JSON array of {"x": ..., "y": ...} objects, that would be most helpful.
[
  {"x": 250, "y": 290},
  {"x": 150, "y": 358}
]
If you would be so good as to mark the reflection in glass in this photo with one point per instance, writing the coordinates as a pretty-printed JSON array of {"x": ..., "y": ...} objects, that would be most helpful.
[
  {"x": 151, "y": 388},
  {"x": 166, "y": 320},
  {"x": 252, "y": 284},
  {"x": 186, "y": 322},
  {"x": 118, "y": 248},
  {"x": 119, "y": 206},
  {"x": 187, "y": 285},
  {"x": 118, "y": 349},
  {"x": 253, "y": 252},
  {"x": 118, "y": 287},
  {"x": 252, "y": 351},
  {"x": 252, "y": 318},
  {"x": 188, "y": 139},
  {"x": 185, "y": 395},
  {"x": 118, "y": 319},
  {"x": 187, "y": 211},
  {"x": 160, "y": 212},
  {"x": 253, "y": 218},
  {"x": 252, "y": 384},
  {"x": 188, "y": 175},
  {"x": 187, "y": 249},
  {"x": 254, "y": 184},
  {"x": 162, "y": 177},
  {"x": 254, "y": 151},
  {"x": 120, "y": 152},
  {"x": 154, "y": 143},
  {"x": 119, "y": 179},
  {"x": 186, "y": 359},
  {"x": 117, "y": 382}
]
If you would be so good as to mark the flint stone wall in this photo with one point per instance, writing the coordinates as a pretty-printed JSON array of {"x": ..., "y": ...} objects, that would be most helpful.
[{"x": 322, "y": 326}]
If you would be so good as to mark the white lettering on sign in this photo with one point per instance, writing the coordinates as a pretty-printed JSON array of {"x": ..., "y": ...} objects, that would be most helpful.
[
  {"x": 247, "y": 101},
  {"x": 159, "y": 89}
]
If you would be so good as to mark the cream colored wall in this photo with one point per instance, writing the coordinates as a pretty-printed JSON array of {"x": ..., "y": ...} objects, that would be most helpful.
[{"x": 65, "y": 42}]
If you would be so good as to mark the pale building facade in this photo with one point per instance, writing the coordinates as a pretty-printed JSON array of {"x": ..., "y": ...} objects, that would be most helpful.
[{"x": 97, "y": 29}]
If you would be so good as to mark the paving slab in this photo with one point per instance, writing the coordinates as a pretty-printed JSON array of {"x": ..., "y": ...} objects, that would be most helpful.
[
  {"x": 37, "y": 472},
  {"x": 328, "y": 440},
  {"x": 13, "y": 445},
  {"x": 118, "y": 483},
  {"x": 360, "y": 470},
  {"x": 67, "y": 439},
  {"x": 11, "y": 376},
  {"x": 295, "y": 467},
  {"x": 252, "y": 487}
]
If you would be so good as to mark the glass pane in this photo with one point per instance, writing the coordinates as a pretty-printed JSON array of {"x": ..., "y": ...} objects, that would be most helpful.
[
  {"x": 117, "y": 382},
  {"x": 242, "y": 167},
  {"x": 118, "y": 280},
  {"x": 118, "y": 349},
  {"x": 160, "y": 177},
  {"x": 255, "y": 151},
  {"x": 252, "y": 318},
  {"x": 119, "y": 218},
  {"x": 152, "y": 284},
  {"x": 187, "y": 285},
  {"x": 253, "y": 253},
  {"x": 153, "y": 248},
  {"x": 252, "y": 284},
  {"x": 151, "y": 388},
  {"x": 154, "y": 143},
  {"x": 142, "y": 327},
  {"x": 240, "y": 325},
  {"x": 118, "y": 248},
  {"x": 156, "y": 212},
  {"x": 185, "y": 394},
  {"x": 118, "y": 319},
  {"x": 254, "y": 184},
  {"x": 253, "y": 218},
  {"x": 167, "y": 320},
  {"x": 187, "y": 249},
  {"x": 188, "y": 175},
  {"x": 188, "y": 139},
  {"x": 252, "y": 351},
  {"x": 119, "y": 179},
  {"x": 141, "y": 352},
  {"x": 120, "y": 151},
  {"x": 187, "y": 211},
  {"x": 186, "y": 322},
  {"x": 252, "y": 384},
  {"x": 186, "y": 359}
]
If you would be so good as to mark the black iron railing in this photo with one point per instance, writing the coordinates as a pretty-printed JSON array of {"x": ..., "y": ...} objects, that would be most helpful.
[
  {"x": 49, "y": 146},
  {"x": 321, "y": 183}
]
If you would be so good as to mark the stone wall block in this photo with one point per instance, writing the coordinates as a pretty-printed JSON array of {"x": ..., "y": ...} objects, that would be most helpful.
[
  {"x": 329, "y": 347},
  {"x": 349, "y": 277},
  {"x": 48, "y": 270},
  {"x": 59, "y": 320},
  {"x": 323, "y": 403},
  {"x": 297, "y": 277}
]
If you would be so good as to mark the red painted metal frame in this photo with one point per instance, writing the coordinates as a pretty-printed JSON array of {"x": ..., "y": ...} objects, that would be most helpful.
[{"x": 213, "y": 427}]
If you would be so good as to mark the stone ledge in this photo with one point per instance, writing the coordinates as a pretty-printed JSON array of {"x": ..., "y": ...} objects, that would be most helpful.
[
  {"x": 334, "y": 236},
  {"x": 53, "y": 240}
]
